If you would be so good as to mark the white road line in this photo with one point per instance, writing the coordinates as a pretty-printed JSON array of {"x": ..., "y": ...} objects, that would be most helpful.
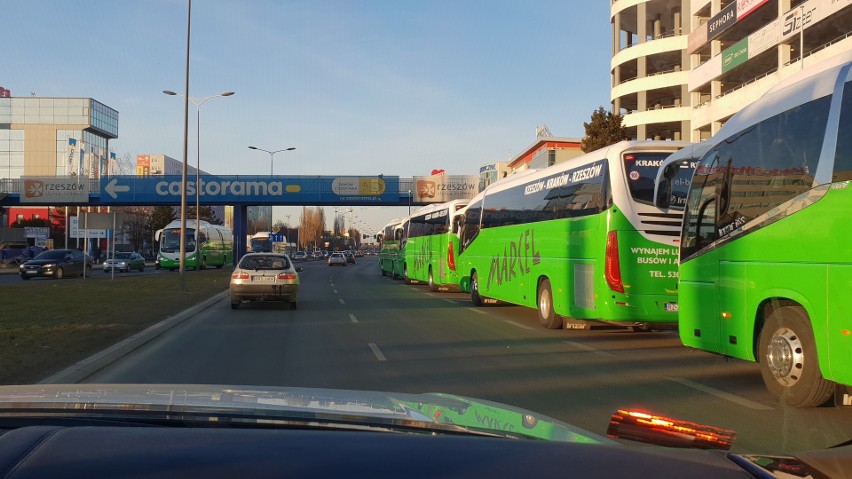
[
  {"x": 477, "y": 310},
  {"x": 377, "y": 352},
  {"x": 722, "y": 394},
  {"x": 589, "y": 349},
  {"x": 451, "y": 301},
  {"x": 353, "y": 318},
  {"x": 341, "y": 300},
  {"x": 335, "y": 291},
  {"x": 428, "y": 294},
  {"x": 519, "y": 325}
]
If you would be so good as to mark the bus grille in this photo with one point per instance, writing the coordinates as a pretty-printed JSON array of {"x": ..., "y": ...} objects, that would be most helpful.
[{"x": 664, "y": 224}]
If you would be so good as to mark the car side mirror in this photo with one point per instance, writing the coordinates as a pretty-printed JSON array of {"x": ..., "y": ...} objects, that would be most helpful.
[{"x": 298, "y": 269}]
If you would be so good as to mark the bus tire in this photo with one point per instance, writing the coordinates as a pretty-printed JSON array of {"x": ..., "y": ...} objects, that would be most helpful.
[
  {"x": 546, "y": 316},
  {"x": 235, "y": 305},
  {"x": 432, "y": 286},
  {"x": 393, "y": 271},
  {"x": 475, "y": 298},
  {"x": 788, "y": 359}
]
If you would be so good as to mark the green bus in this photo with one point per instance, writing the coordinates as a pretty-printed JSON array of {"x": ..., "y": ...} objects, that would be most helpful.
[
  {"x": 216, "y": 245},
  {"x": 432, "y": 245},
  {"x": 392, "y": 247},
  {"x": 580, "y": 241},
  {"x": 765, "y": 258}
]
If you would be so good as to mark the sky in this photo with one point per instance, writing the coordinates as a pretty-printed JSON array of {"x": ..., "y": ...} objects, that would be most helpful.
[{"x": 395, "y": 87}]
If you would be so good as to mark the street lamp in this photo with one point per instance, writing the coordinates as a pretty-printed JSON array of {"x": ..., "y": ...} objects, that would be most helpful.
[
  {"x": 198, "y": 102},
  {"x": 271, "y": 155}
]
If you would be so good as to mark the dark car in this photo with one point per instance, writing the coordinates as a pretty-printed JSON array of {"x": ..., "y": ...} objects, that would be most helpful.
[
  {"x": 56, "y": 263},
  {"x": 350, "y": 257}
]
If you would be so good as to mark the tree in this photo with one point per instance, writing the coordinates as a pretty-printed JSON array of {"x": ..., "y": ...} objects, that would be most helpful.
[
  {"x": 136, "y": 226},
  {"x": 311, "y": 226},
  {"x": 604, "y": 129},
  {"x": 160, "y": 217}
]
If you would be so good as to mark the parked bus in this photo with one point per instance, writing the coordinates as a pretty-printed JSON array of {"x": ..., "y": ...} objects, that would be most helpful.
[
  {"x": 392, "y": 243},
  {"x": 765, "y": 259},
  {"x": 579, "y": 241},
  {"x": 216, "y": 246},
  {"x": 432, "y": 245}
]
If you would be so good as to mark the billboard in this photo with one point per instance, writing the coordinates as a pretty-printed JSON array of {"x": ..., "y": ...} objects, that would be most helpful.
[
  {"x": 735, "y": 55},
  {"x": 722, "y": 21},
  {"x": 54, "y": 189},
  {"x": 438, "y": 189},
  {"x": 744, "y": 7}
]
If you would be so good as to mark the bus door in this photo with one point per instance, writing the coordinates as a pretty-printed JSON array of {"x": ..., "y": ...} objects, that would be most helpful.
[{"x": 699, "y": 322}]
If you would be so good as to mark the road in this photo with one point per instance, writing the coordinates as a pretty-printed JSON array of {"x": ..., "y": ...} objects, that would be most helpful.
[{"x": 355, "y": 329}]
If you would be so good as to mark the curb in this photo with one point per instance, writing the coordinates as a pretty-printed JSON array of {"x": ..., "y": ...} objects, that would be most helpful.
[{"x": 94, "y": 363}]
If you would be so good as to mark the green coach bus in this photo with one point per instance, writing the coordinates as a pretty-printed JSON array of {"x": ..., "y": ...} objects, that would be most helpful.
[
  {"x": 580, "y": 241},
  {"x": 392, "y": 247},
  {"x": 213, "y": 245},
  {"x": 432, "y": 245},
  {"x": 766, "y": 257}
]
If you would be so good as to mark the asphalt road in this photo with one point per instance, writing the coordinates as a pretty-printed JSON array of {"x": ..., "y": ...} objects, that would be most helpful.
[{"x": 355, "y": 329}]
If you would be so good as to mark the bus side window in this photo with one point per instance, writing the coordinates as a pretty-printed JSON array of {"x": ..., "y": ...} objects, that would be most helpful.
[{"x": 843, "y": 153}]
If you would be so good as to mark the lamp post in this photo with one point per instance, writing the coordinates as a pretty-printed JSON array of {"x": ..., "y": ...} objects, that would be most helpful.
[
  {"x": 198, "y": 102},
  {"x": 271, "y": 156}
]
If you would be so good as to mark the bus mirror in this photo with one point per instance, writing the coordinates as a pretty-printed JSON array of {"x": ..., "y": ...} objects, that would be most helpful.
[
  {"x": 671, "y": 170},
  {"x": 664, "y": 192}
]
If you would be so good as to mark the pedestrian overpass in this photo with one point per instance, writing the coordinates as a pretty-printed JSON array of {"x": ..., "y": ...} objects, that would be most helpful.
[{"x": 236, "y": 190}]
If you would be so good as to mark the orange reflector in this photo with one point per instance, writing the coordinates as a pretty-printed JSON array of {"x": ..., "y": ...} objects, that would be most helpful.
[
  {"x": 844, "y": 332},
  {"x": 726, "y": 315}
]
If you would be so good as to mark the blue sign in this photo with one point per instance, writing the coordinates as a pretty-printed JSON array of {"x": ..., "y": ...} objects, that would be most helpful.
[{"x": 251, "y": 190}]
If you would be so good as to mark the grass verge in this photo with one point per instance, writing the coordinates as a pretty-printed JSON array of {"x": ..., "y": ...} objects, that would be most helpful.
[{"x": 47, "y": 325}]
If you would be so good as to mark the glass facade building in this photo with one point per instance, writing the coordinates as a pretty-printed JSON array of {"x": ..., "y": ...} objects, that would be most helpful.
[{"x": 35, "y": 134}]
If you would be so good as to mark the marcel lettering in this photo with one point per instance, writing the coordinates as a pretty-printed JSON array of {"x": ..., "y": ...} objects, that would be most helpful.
[{"x": 516, "y": 260}]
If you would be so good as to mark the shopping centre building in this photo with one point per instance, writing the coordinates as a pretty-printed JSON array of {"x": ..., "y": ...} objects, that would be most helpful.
[{"x": 681, "y": 68}]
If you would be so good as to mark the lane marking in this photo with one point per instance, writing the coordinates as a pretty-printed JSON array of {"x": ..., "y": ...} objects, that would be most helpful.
[
  {"x": 341, "y": 300},
  {"x": 451, "y": 301},
  {"x": 377, "y": 352},
  {"x": 589, "y": 349},
  {"x": 428, "y": 294},
  {"x": 476, "y": 310},
  {"x": 335, "y": 291},
  {"x": 722, "y": 394},
  {"x": 519, "y": 325},
  {"x": 353, "y": 318}
]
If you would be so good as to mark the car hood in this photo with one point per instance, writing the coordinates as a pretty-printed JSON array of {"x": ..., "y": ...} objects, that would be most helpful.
[
  {"x": 290, "y": 406},
  {"x": 42, "y": 262}
]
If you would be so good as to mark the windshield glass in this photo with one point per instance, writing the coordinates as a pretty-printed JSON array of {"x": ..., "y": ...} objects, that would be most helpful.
[{"x": 337, "y": 140}]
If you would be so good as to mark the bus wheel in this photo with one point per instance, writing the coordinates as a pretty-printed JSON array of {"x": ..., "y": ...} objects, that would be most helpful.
[
  {"x": 432, "y": 286},
  {"x": 393, "y": 271},
  {"x": 235, "y": 305},
  {"x": 788, "y": 359},
  {"x": 382, "y": 268},
  {"x": 475, "y": 298},
  {"x": 546, "y": 315}
]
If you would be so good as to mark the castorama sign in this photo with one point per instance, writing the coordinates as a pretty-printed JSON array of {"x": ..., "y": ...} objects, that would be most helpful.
[{"x": 250, "y": 190}]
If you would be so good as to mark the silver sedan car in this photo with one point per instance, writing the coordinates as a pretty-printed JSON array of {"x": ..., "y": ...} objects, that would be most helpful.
[{"x": 265, "y": 277}]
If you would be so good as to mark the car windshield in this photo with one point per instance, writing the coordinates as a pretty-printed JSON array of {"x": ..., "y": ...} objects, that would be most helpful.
[{"x": 438, "y": 196}]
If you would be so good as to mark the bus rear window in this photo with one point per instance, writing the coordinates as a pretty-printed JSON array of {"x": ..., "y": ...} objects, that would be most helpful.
[{"x": 641, "y": 171}]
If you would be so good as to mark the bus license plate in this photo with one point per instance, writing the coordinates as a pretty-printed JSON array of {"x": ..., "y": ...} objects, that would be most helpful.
[{"x": 671, "y": 307}]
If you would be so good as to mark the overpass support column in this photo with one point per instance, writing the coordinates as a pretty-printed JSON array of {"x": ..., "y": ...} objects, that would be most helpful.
[{"x": 240, "y": 228}]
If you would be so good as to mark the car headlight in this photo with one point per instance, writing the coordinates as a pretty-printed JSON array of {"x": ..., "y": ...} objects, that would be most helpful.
[{"x": 50, "y": 265}]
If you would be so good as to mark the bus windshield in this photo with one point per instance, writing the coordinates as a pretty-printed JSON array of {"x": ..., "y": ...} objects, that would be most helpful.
[
  {"x": 641, "y": 170},
  {"x": 261, "y": 245},
  {"x": 170, "y": 240}
]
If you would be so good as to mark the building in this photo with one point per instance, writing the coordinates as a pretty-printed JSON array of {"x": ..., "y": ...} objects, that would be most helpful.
[
  {"x": 54, "y": 137},
  {"x": 35, "y": 134},
  {"x": 545, "y": 151},
  {"x": 681, "y": 68}
]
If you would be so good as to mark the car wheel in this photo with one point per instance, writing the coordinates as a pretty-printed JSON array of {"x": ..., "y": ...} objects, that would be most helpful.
[
  {"x": 546, "y": 316},
  {"x": 475, "y": 298},
  {"x": 788, "y": 359},
  {"x": 59, "y": 273},
  {"x": 235, "y": 305},
  {"x": 432, "y": 286}
]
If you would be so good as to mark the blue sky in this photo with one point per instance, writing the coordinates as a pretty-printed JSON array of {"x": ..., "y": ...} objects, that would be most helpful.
[{"x": 357, "y": 87}]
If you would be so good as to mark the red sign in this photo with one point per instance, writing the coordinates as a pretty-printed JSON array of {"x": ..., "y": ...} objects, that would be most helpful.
[{"x": 4, "y": 93}]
